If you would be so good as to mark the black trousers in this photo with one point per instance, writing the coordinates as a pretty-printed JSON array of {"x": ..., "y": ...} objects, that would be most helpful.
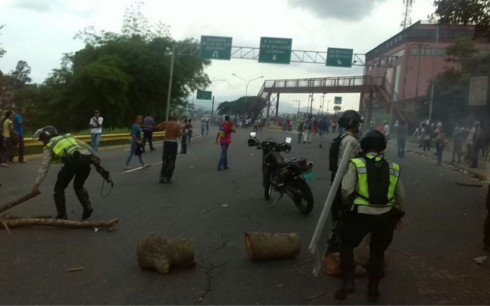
[
  {"x": 148, "y": 136},
  {"x": 168, "y": 159},
  {"x": 78, "y": 169},
  {"x": 486, "y": 230},
  {"x": 355, "y": 229},
  {"x": 183, "y": 148}
]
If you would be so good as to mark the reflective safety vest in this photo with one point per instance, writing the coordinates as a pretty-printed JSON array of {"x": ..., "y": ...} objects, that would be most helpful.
[
  {"x": 63, "y": 146},
  {"x": 362, "y": 191}
]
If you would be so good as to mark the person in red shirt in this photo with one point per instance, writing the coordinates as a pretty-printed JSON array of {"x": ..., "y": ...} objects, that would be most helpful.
[{"x": 224, "y": 138}]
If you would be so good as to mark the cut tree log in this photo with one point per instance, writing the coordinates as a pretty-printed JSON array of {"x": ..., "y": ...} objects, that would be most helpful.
[
  {"x": 17, "y": 202},
  {"x": 272, "y": 245},
  {"x": 331, "y": 262},
  {"x": 160, "y": 254},
  {"x": 57, "y": 222}
]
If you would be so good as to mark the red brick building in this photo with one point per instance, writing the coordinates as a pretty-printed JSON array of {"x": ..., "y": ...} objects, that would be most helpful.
[{"x": 408, "y": 62}]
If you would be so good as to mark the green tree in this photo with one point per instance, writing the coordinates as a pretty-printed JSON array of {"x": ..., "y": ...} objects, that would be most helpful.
[
  {"x": 465, "y": 12},
  {"x": 122, "y": 75},
  {"x": 248, "y": 107}
]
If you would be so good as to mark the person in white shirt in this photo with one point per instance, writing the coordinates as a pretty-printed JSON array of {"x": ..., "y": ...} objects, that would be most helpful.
[
  {"x": 96, "y": 130},
  {"x": 386, "y": 131}
]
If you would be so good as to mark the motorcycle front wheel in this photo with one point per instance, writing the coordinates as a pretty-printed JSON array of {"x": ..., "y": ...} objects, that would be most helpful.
[
  {"x": 304, "y": 199},
  {"x": 267, "y": 186}
]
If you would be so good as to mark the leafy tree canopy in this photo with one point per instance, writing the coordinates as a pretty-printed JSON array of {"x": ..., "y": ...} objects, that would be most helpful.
[
  {"x": 465, "y": 12},
  {"x": 244, "y": 107},
  {"x": 121, "y": 74}
]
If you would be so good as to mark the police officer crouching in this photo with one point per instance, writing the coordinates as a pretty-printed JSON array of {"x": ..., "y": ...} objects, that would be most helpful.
[
  {"x": 76, "y": 157},
  {"x": 373, "y": 195}
]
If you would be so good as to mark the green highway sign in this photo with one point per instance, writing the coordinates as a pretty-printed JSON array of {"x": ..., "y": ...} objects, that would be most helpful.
[
  {"x": 339, "y": 57},
  {"x": 275, "y": 50},
  {"x": 337, "y": 100},
  {"x": 215, "y": 47},
  {"x": 204, "y": 95}
]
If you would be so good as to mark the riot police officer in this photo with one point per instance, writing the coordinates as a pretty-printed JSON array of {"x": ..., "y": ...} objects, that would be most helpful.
[
  {"x": 350, "y": 121},
  {"x": 76, "y": 157},
  {"x": 373, "y": 195}
]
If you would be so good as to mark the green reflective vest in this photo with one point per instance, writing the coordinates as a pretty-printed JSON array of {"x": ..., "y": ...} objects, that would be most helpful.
[
  {"x": 63, "y": 145},
  {"x": 362, "y": 182}
]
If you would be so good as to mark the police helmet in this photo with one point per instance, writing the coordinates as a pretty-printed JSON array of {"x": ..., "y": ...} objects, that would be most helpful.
[
  {"x": 373, "y": 140},
  {"x": 46, "y": 133},
  {"x": 349, "y": 119}
]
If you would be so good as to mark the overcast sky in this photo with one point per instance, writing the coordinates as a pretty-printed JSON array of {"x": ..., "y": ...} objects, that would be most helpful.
[{"x": 41, "y": 31}]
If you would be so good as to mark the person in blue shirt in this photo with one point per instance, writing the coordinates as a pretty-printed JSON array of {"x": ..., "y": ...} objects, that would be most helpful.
[
  {"x": 19, "y": 128},
  {"x": 136, "y": 144}
]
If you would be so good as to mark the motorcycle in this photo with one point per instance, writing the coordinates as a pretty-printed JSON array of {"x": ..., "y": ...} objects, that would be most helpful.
[{"x": 284, "y": 176}]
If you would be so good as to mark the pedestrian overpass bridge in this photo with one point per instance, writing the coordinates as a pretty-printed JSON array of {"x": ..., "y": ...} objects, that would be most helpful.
[{"x": 372, "y": 89}]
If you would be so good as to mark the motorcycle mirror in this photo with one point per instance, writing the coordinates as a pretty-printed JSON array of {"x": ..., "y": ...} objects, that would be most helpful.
[
  {"x": 253, "y": 134},
  {"x": 288, "y": 140}
]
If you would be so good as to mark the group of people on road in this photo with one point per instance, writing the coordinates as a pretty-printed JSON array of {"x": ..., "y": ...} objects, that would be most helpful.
[
  {"x": 78, "y": 156},
  {"x": 468, "y": 143},
  {"x": 370, "y": 199},
  {"x": 11, "y": 136},
  {"x": 312, "y": 125}
]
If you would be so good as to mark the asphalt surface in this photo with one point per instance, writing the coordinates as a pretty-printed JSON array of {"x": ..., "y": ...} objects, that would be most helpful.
[{"x": 431, "y": 260}]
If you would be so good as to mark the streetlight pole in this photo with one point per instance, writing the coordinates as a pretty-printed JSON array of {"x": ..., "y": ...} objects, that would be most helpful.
[
  {"x": 169, "y": 94},
  {"x": 299, "y": 104},
  {"x": 246, "y": 82}
]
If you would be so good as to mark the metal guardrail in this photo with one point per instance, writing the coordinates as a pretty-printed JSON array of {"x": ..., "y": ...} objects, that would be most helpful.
[{"x": 30, "y": 142}]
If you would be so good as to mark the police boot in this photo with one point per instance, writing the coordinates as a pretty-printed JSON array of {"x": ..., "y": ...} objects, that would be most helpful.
[
  {"x": 347, "y": 286},
  {"x": 59, "y": 202},
  {"x": 373, "y": 293},
  {"x": 82, "y": 196}
]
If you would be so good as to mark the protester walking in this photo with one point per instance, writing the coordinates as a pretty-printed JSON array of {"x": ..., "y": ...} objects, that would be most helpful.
[
  {"x": 458, "y": 136},
  {"x": 224, "y": 139},
  {"x": 184, "y": 138},
  {"x": 427, "y": 136},
  {"x": 148, "y": 125},
  {"x": 300, "y": 129},
  {"x": 401, "y": 138},
  {"x": 440, "y": 141},
  {"x": 19, "y": 129},
  {"x": 8, "y": 136},
  {"x": 173, "y": 132},
  {"x": 136, "y": 144},
  {"x": 322, "y": 129},
  {"x": 96, "y": 130},
  {"x": 307, "y": 130}
]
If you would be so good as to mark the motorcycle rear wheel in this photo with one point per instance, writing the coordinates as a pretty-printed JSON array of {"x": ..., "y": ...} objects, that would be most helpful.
[
  {"x": 303, "y": 202},
  {"x": 267, "y": 186}
]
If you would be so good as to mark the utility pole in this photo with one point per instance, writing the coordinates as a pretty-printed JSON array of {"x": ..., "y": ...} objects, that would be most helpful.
[{"x": 169, "y": 95}]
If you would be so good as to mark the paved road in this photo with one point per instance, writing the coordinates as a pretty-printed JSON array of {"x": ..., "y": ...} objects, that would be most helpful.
[{"x": 431, "y": 259}]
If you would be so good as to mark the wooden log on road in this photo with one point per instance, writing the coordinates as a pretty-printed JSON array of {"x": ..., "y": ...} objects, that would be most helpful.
[
  {"x": 272, "y": 245},
  {"x": 160, "y": 254},
  {"x": 17, "y": 202},
  {"x": 57, "y": 222}
]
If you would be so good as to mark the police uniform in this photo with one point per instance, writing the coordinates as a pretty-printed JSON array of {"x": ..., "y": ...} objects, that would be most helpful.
[
  {"x": 348, "y": 139},
  {"x": 374, "y": 194},
  {"x": 76, "y": 157}
]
